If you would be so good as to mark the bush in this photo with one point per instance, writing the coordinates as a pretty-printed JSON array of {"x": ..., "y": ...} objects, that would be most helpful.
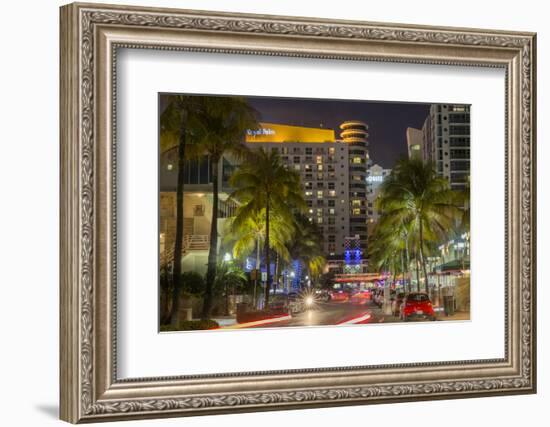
[
  {"x": 192, "y": 283},
  {"x": 191, "y": 325}
]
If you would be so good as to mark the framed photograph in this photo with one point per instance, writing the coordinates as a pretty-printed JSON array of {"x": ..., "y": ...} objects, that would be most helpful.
[{"x": 265, "y": 213}]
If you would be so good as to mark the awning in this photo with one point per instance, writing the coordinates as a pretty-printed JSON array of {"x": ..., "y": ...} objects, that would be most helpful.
[{"x": 452, "y": 266}]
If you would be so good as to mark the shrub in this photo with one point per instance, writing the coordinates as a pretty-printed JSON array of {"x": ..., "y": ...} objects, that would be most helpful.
[{"x": 191, "y": 325}]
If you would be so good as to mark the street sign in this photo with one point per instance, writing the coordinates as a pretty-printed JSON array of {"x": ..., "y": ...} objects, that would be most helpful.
[{"x": 264, "y": 276}]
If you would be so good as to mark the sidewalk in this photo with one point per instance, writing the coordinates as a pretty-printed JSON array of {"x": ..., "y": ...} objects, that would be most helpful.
[
  {"x": 388, "y": 318},
  {"x": 458, "y": 315}
]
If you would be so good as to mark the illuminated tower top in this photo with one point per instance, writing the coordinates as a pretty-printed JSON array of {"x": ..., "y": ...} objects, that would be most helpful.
[{"x": 354, "y": 131}]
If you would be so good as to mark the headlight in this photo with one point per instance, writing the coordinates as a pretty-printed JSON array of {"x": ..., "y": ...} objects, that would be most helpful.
[{"x": 309, "y": 300}]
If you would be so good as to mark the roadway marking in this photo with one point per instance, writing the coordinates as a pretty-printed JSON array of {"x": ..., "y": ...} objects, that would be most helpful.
[{"x": 356, "y": 320}]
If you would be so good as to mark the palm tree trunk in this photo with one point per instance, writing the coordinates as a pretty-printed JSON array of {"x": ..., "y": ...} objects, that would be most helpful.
[
  {"x": 257, "y": 272},
  {"x": 417, "y": 273},
  {"x": 213, "y": 251},
  {"x": 403, "y": 270},
  {"x": 268, "y": 278},
  {"x": 408, "y": 262},
  {"x": 387, "y": 283},
  {"x": 277, "y": 266},
  {"x": 178, "y": 241},
  {"x": 422, "y": 259}
]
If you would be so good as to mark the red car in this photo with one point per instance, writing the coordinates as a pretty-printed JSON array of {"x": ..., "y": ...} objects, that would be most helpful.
[
  {"x": 360, "y": 297},
  {"x": 340, "y": 296},
  {"x": 417, "y": 305}
]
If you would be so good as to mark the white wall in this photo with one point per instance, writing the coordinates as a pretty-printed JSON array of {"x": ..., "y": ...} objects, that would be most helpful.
[{"x": 29, "y": 169}]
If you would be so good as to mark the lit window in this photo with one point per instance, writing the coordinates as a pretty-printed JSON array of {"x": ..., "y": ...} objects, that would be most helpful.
[
  {"x": 320, "y": 194},
  {"x": 319, "y": 160},
  {"x": 357, "y": 160},
  {"x": 356, "y": 202},
  {"x": 309, "y": 193},
  {"x": 319, "y": 167},
  {"x": 356, "y": 211},
  {"x": 320, "y": 220},
  {"x": 297, "y": 167},
  {"x": 332, "y": 193},
  {"x": 331, "y": 150}
]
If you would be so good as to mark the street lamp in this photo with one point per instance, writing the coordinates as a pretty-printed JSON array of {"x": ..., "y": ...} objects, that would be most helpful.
[{"x": 227, "y": 257}]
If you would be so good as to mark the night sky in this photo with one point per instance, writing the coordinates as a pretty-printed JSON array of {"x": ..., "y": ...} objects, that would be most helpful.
[{"x": 387, "y": 121}]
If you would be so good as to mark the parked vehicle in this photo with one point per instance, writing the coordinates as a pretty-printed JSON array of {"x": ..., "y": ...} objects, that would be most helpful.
[
  {"x": 295, "y": 303},
  {"x": 417, "y": 305},
  {"x": 279, "y": 304}
]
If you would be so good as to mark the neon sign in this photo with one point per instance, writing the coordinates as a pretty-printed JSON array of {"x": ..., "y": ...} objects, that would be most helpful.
[{"x": 261, "y": 131}]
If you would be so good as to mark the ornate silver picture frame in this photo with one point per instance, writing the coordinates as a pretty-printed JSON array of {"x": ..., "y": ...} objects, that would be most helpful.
[{"x": 91, "y": 35}]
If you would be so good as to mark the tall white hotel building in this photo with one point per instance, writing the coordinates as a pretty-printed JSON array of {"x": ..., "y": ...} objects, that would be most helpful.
[
  {"x": 446, "y": 142},
  {"x": 333, "y": 172}
]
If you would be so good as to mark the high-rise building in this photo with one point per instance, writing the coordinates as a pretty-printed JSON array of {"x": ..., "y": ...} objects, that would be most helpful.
[
  {"x": 333, "y": 174},
  {"x": 447, "y": 142},
  {"x": 376, "y": 175},
  {"x": 321, "y": 161},
  {"x": 415, "y": 140},
  {"x": 355, "y": 136}
]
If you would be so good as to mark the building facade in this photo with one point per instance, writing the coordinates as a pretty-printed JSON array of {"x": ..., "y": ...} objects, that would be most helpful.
[
  {"x": 354, "y": 135},
  {"x": 446, "y": 142},
  {"x": 415, "y": 142},
  {"x": 332, "y": 172},
  {"x": 376, "y": 175}
]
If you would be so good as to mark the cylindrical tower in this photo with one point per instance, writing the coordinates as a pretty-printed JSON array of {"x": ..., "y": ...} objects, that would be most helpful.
[{"x": 355, "y": 134}]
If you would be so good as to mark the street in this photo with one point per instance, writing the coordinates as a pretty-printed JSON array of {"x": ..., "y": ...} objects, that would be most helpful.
[
  {"x": 334, "y": 313},
  {"x": 339, "y": 313}
]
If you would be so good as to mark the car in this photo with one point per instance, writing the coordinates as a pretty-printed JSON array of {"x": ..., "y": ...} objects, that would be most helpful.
[
  {"x": 322, "y": 295},
  {"x": 417, "y": 305},
  {"x": 396, "y": 303},
  {"x": 295, "y": 303},
  {"x": 279, "y": 304},
  {"x": 339, "y": 296},
  {"x": 360, "y": 297}
]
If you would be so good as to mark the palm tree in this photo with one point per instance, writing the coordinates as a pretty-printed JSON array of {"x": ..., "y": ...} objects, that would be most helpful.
[
  {"x": 263, "y": 183},
  {"x": 386, "y": 252},
  {"x": 218, "y": 130},
  {"x": 174, "y": 133},
  {"x": 306, "y": 246},
  {"x": 415, "y": 196},
  {"x": 246, "y": 237},
  {"x": 228, "y": 277}
]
